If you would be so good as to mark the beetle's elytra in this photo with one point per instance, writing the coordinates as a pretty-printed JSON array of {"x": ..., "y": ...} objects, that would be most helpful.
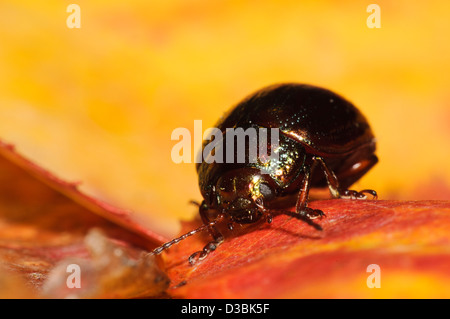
[{"x": 324, "y": 141}]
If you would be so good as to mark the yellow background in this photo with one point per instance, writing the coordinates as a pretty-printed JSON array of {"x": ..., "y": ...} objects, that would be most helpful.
[{"x": 98, "y": 104}]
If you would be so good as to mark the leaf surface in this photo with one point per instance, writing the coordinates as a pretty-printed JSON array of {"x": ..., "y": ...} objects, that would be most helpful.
[
  {"x": 46, "y": 224},
  {"x": 408, "y": 240}
]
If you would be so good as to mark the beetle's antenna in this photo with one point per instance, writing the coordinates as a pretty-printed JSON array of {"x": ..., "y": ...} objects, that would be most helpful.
[{"x": 165, "y": 246}]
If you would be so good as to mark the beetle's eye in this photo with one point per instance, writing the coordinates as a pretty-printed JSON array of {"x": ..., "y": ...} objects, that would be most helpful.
[{"x": 266, "y": 191}]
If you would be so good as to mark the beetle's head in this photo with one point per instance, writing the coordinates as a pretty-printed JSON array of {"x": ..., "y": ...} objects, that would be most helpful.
[{"x": 240, "y": 193}]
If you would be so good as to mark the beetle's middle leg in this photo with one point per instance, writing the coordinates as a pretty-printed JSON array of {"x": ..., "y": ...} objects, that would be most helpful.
[
  {"x": 333, "y": 184},
  {"x": 213, "y": 231}
]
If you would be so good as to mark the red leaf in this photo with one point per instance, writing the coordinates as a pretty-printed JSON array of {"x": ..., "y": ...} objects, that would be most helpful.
[
  {"x": 289, "y": 259},
  {"x": 47, "y": 224}
]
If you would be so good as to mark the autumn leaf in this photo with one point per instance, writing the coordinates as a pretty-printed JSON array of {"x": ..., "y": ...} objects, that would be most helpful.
[
  {"x": 47, "y": 224},
  {"x": 406, "y": 240}
]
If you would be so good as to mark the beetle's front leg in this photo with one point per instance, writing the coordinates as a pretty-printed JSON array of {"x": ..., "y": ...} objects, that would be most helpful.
[
  {"x": 302, "y": 201},
  {"x": 213, "y": 231}
]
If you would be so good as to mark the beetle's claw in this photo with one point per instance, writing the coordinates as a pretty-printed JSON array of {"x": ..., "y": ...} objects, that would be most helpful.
[
  {"x": 352, "y": 194},
  {"x": 202, "y": 254},
  {"x": 268, "y": 217},
  {"x": 371, "y": 192},
  {"x": 195, "y": 257},
  {"x": 307, "y": 215},
  {"x": 198, "y": 256},
  {"x": 311, "y": 213}
]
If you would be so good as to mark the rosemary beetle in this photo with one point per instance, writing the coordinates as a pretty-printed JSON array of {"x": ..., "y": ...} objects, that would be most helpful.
[{"x": 324, "y": 140}]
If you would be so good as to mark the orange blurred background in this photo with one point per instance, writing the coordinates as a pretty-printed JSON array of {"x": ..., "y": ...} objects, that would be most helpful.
[{"x": 98, "y": 104}]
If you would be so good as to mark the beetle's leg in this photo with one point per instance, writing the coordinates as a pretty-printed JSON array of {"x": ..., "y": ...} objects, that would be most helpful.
[
  {"x": 215, "y": 234},
  {"x": 348, "y": 193},
  {"x": 332, "y": 181},
  {"x": 268, "y": 217},
  {"x": 302, "y": 201},
  {"x": 267, "y": 214},
  {"x": 194, "y": 202},
  {"x": 333, "y": 185}
]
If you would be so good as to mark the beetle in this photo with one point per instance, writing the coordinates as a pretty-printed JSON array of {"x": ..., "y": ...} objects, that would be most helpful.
[{"x": 324, "y": 141}]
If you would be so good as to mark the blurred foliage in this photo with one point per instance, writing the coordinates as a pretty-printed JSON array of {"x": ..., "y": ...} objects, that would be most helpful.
[{"x": 98, "y": 104}]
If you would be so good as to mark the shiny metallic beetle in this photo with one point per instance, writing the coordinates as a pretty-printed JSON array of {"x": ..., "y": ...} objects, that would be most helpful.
[{"x": 324, "y": 141}]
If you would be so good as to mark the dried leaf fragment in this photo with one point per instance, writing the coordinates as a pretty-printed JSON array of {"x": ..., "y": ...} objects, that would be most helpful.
[{"x": 111, "y": 271}]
